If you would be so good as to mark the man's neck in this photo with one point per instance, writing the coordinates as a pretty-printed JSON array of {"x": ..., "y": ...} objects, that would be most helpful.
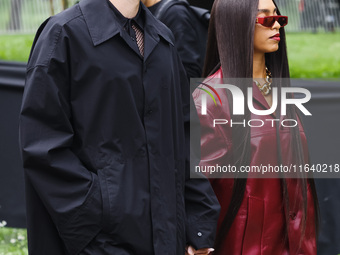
[
  {"x": 149, "y": 3},
  {"x": 128, "y": 8}
]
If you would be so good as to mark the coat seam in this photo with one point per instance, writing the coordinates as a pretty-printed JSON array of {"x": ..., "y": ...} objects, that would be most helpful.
[
  {"x": 80, "y": 209},
  {"x": 55, "y": 42}
]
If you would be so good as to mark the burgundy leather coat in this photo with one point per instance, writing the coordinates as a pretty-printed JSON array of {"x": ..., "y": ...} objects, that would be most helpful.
[{"x": 259, "y": 226}]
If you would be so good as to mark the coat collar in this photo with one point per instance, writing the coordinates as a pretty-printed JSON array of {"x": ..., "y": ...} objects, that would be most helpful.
[
  {"x": 257, "y": 95},
  {"x": 102, "y": 24}
]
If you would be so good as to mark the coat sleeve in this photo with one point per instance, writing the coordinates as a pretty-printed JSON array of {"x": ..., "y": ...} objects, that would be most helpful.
[
  {"x": 178, "y": 19},
  {"x": 67, "y": 189},
  {"x": 202, "y": 207}
]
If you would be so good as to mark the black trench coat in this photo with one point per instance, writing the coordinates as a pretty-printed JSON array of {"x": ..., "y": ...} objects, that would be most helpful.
[{"x": 103, "y": 141}]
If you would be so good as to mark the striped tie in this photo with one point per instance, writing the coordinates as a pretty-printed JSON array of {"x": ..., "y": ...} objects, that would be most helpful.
[{"x": 139, "y": 38}]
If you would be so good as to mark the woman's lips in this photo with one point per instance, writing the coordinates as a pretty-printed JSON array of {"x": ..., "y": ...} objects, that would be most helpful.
[{"x": 276, "y": 37}]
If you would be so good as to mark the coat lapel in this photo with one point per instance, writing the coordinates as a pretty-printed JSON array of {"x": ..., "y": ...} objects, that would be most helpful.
[
  {"x": 99, "y": 20},
  {"x": 151, "y": 39},
  {"x": 132, "y": 44},
  {"x": 153, "y": 30},
  {"x": 259, "y": 98},
  {"x": 102, "y": 26}
]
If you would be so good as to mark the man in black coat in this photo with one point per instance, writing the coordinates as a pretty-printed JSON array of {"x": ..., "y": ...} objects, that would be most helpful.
[
  {"x": 103, "y": 139},
  {"x": 179, "y": 19}
]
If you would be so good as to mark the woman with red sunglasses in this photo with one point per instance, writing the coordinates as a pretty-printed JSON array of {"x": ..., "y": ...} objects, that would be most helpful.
[{"x": 267, "y": 216}]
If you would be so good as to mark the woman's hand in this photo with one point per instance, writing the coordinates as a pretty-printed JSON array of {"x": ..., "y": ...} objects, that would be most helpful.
[{"x": 189, "y": 250}]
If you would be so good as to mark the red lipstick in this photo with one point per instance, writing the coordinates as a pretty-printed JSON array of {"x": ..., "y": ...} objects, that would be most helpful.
[{"x": 276, "y": 37}]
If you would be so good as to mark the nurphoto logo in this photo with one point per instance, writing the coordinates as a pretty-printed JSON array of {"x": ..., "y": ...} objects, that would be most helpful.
[{"x": 239, "y": 104}]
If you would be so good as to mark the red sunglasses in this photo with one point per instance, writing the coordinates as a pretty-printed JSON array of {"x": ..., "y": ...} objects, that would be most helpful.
[{"x": 269, "y": 21}]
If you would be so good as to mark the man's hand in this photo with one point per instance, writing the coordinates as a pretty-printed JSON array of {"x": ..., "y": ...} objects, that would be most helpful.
[{"x": 189, "y": 250}]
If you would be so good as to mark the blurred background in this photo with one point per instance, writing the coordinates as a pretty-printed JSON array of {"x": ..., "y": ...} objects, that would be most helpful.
[
  {"x": 19, "y": 16},
  {"x": 313, "y": 39}
]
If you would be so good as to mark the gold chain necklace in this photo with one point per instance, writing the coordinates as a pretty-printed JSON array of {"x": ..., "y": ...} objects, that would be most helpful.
[{"x": 266, "y": 87}]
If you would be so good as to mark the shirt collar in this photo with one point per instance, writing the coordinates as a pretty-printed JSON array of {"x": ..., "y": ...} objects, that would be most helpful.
[
  {"x": 123, "y": 21},
  {"x": 102, "y": 25}
]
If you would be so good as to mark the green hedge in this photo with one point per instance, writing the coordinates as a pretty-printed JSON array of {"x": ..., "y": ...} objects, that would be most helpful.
[
  {"x": 310, "y": 55},
  {"x": 314, "y": 55},
  {"x": 12, "y": 241}
]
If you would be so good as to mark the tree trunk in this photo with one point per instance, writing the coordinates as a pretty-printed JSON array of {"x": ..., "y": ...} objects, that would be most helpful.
[
  {"x": 15, "y": 16},
  {"x": 64, "y": 4},
  {"x": 51, "y": 7}
]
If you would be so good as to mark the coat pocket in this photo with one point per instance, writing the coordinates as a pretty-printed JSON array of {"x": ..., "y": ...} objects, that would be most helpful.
[
  {"x": 105, "y": 199},
  {"x": 252, "y": 241}
]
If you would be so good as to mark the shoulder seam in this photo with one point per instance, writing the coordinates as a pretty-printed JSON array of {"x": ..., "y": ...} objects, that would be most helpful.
[
  {"x": 55, "y": 42},
  {"x": 51, "y": 52},
  {"x": 33, "y": 67},
  {"x": 70, "y": 18}
]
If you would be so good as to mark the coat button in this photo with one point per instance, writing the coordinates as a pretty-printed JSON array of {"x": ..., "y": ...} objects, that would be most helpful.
[
  {"x": 199, "y": 234},
  {"x": 149, "y": 111}
]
